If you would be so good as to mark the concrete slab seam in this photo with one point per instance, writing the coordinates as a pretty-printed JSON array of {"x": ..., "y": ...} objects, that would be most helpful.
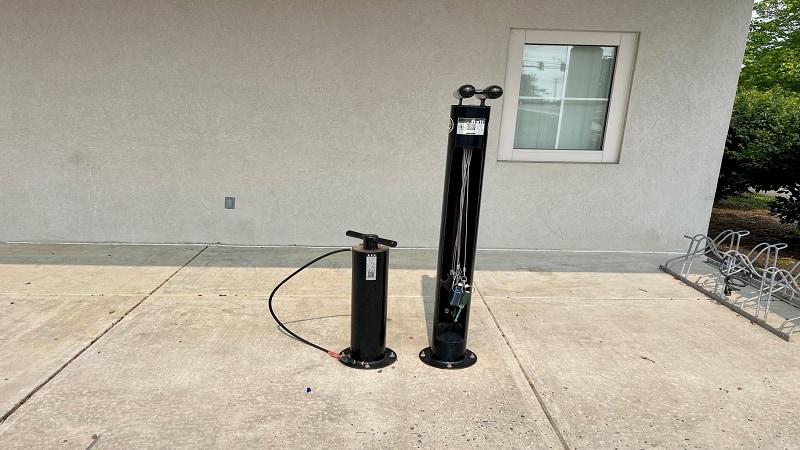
[
  {"x": 550, "y": 418},
  {"x": 95, "y": 339}
]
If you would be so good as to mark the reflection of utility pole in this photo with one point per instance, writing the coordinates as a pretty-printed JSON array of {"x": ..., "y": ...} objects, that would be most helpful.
[{"x": 562, "y": 65}]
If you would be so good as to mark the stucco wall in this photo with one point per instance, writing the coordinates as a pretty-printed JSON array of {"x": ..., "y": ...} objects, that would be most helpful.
[{"x": 131, "y": 121}]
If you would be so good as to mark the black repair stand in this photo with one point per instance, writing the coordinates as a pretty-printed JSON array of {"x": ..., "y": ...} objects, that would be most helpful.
[{"x": 466, "y": 152}]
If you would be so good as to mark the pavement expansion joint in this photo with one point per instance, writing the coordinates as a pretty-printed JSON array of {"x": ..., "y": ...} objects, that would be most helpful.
[
  {"x": 542, "y": 404},
  {"x": 86, "y": 347}
]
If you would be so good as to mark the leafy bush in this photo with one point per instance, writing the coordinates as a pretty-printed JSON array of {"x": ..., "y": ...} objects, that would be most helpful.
[
  {"x": 788, "y": 209},
  {"x": 763, "y": 149}
]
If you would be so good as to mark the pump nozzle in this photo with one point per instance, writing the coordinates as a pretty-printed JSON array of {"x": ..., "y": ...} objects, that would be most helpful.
[{"x": 371, "y": 241}]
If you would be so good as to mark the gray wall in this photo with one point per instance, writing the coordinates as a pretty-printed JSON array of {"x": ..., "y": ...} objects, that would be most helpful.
[{"x": 131, "y": 121}]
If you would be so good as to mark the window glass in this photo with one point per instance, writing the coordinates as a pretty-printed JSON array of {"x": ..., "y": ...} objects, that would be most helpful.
[{"x": 563, "y": 96}]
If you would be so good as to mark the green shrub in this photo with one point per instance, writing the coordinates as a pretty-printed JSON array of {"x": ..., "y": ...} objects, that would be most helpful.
[{"x": 763, "y": 149}]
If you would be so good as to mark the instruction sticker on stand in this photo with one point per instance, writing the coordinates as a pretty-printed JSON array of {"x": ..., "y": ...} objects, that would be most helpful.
[
  {"x": 473, "y": 127},
  {"x": 372, "y": 267}
]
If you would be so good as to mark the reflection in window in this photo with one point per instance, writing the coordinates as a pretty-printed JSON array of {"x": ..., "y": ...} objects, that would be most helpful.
[{"x": 563, "y": 96}]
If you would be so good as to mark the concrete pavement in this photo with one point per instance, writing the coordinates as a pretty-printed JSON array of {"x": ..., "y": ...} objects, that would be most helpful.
[{"x": 105, "y": 346}]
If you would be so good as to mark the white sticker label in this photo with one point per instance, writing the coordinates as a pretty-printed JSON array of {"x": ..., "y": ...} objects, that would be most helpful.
[
  {"x": 372, "y": 267},
  {"x": 473, "y": 127}
]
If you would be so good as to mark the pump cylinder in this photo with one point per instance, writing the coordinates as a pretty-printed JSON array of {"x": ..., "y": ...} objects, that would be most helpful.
[{"x": 369, "y": 303}]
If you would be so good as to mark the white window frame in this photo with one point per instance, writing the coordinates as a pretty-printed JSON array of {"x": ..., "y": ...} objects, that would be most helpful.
[{"x": 617, "y": 108}]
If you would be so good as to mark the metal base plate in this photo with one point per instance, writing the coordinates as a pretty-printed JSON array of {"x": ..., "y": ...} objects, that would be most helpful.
[
  {"x": 469, "y": 359},
  {"x": 389, "y": 357}
]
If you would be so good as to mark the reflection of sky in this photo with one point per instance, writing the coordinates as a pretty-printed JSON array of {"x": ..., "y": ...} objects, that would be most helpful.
[{"x": 550, "y": 79}]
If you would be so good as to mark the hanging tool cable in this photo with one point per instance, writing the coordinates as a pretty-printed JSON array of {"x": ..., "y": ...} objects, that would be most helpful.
[
  {"x": 457, "y": 270},
  {"x": 343, "y": 358},
  {"x": 465, "y": 205},
  {"x": 466, "y": 296},
  {"x": 461, "y": 290}
]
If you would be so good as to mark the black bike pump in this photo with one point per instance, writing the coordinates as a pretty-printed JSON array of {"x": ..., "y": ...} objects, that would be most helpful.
[
  {"x": 458, "y": 234},
  {"x": 368, "y": 304}
]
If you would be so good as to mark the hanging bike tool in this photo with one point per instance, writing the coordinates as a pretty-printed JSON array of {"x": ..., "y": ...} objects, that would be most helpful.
[
  {"x": 368, "y": 306},
  {"x": 458, "y": 234}
]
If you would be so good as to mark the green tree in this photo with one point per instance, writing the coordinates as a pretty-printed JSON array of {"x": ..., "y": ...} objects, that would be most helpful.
[
  {"x": 772, "y": 57},
  {"x": 529, "y": 86},
  {"x": 763, "y": 146}
]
